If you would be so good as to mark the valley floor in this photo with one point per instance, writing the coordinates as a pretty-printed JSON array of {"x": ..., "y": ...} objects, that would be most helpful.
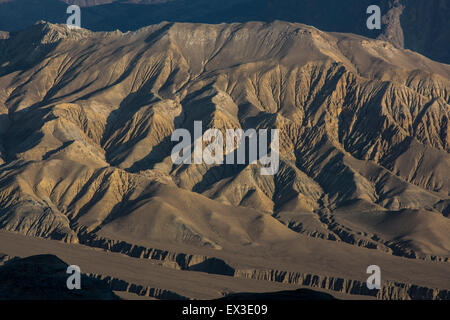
[{"x": 133, "y": 278}]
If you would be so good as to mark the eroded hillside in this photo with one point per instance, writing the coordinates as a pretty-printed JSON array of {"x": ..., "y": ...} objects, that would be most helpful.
[{"x": 86, "y": 120}]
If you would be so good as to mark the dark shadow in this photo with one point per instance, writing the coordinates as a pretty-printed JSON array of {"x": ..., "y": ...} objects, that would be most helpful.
[
  {"x": 52, "y": 152},
  {"x": 24, "y": 131},
  {"x": 44, "y": 277},
  {"x": 213, "y": 266},
  {"x": 216, "y": 174},
  {"x": 299, "y": 294},
  {"x": 155, "y": 36}
]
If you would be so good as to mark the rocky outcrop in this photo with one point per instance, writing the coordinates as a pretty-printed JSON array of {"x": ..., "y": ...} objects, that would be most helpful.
[
  {"x": 140, "y": 290},
  {"x": 168, "y": 259},
  {"x": 389, "y": 290},
  {"x": 393, "y": 31}
]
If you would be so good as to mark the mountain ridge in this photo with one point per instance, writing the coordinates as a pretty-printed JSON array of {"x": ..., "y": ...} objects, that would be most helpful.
[
  {"x": 404, "y": 23},
  {"x": 85, "y": 146}
]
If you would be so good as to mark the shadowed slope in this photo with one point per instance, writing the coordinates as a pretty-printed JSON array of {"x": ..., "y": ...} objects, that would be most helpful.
[{"x": 43, "y": 277}]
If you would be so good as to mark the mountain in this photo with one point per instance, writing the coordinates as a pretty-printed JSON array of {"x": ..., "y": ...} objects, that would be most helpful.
[
  {"x": 85, "y": 144},
  {"x": 300, "y": 294},
  {"x": 417, "y": 25},
  {"x": 87, "y": 119}
]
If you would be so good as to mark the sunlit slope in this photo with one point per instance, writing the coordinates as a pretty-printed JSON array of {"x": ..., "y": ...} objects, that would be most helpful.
[{"x": 86, "y": 120}]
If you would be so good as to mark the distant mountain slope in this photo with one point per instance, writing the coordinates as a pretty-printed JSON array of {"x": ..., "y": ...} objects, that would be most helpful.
[
  {"x": 422, "y": 26},
  {"x": 86, "y": 120}
]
